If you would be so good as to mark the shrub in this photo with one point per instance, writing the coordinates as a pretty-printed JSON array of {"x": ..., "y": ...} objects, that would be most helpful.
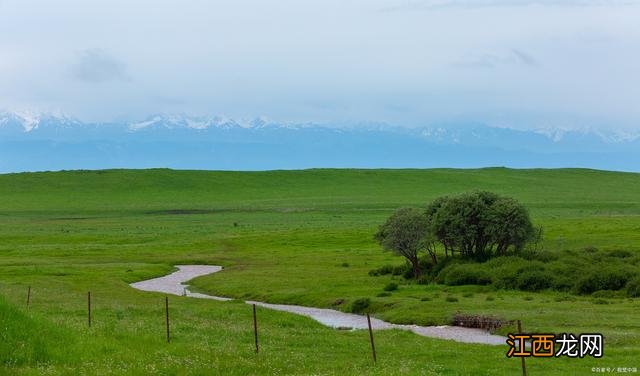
[
  {"x": 633, "y": 288},
  {"x": 507, "y": 262},
  {"x": 605, "y": 279},
  {"x": 408, "y": 273},
  {"x": 565, "y": 298},
  {"x": 534, "y": 280},
  {"x": 424, "y": 280},
  {"x": 360, "y": 305},
  {"x": 464, "y": 274},
  {"x": 620, "y": 253},
  {"x": 451, "y": 299},
  {"x": 402, "y": 270},
  {"x": 383, "y": 294},
  {"x": 567, "y": 270},
  {"x": 490, "y": 298},
  {"x": 507, "y": 270},
  {"x": 544, "y": 256},
  {"x": 436, "y": 269},
  {"x": 383, "y": 270},
  {"x": 607, "y": 294},
  {"x": 391, "y": 287},
  {"x": 563, "y": 282}
]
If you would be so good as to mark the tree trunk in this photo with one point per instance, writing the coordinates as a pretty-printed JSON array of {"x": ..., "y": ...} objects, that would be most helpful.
[
  {"x": 416, "y": 268},
  {"x": 433, "y": 257}
]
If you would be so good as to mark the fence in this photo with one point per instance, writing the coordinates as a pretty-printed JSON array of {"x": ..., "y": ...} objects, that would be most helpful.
[{"x": 488, "y": 323}]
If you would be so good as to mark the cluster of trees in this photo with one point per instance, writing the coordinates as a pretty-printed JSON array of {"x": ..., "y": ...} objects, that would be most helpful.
[{"x": 475, "y": 225}]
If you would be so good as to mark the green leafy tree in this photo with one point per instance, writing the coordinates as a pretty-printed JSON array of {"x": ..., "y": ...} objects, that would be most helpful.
[
  {"x": 480, "y": 224},
  {"x": 476, "y": 225},
  {"x": 404, "y": 233},
  {"x": 438, "y": 233},
  {"x": 509, "y": 226}
]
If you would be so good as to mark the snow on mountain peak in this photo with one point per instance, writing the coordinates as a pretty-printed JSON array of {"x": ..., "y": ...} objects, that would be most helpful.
[
  {"x": 144, "y": 124},
  {"x": 555, "y": 134},
  {"x": 32, "y": 120},
  {"x": 28, "y": 120},
  {"x": 619, "y": 135},
  {"x": 202, "y": 122},
  {"x": 480, "y": 134},
  {"x": 171, "y": 121}
]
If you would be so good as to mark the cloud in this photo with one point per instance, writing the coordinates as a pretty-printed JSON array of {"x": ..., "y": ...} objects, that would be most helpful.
[
  {"x": 477, "y": 59},
  {"x": 440, "y": 4},
  {"x": 494, "y": 60},
  {"x": 524, "y": 58},
  {"x": 168, "y": 100},
  {"x": 97, "y": 66}
]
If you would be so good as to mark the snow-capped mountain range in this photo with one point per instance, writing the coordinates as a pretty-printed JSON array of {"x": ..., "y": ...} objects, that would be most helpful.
[
  {"x": 34, "y": 121},
  {"x": 43, "y": 141},
  {"x": 31, "y": 121}
]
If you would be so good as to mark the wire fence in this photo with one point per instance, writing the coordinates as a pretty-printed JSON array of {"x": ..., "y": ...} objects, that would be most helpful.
[{"x": 488, "y": 323}]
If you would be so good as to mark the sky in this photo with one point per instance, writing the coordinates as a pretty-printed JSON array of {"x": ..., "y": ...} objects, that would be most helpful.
[{"x": 516, "y": 63}]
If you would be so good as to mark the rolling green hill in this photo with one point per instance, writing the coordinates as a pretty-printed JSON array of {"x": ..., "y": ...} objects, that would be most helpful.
[
  {"x": 300, "y": 237},
  {"x": 209, "y": 190}
]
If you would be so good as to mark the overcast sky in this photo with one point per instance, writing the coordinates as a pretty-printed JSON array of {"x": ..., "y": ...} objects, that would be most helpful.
[{"x": 408, "y": 62}]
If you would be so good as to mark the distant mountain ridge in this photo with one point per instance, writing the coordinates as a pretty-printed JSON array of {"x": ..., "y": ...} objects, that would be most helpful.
[{"x": 44, "y": 141}]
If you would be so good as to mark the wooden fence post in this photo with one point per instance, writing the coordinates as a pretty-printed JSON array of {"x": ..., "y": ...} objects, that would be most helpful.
[
  {"x": 89, "y": 308},
  {"x": 28, "y": 296},
  {"x": 373, "y": 346},
  {"x": 166, "y": 315},
  {"x": 524, "y": 367},
  {"x": 255, "y": 329}
]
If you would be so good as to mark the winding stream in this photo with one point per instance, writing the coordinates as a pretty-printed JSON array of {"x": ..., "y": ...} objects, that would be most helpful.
[{"x": 174, "y": 283}]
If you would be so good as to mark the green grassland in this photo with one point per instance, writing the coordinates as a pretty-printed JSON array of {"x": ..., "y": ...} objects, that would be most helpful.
[{"x": 299, "y": 237}]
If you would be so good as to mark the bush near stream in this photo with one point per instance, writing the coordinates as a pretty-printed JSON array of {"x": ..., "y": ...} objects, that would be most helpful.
[
  {"x": 360, "y": 305},
  {"x": 612, "y": 273},
  {"x": 478, "y": 226},
  {"x": 464, "y": 274}
]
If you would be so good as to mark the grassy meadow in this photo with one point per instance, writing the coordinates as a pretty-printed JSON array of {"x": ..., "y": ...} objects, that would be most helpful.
[{"x": 297, "y": 237}]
